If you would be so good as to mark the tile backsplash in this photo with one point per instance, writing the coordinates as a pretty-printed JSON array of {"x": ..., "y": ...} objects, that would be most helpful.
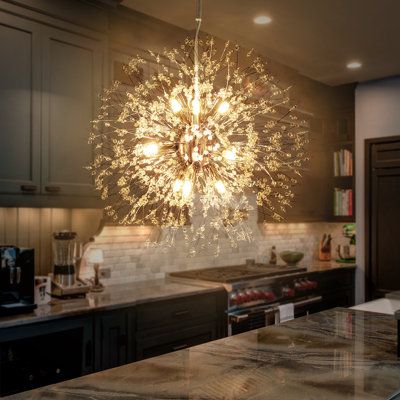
[
  {"x": 125, "y": 250},
  {"x": 130, "y": 259}
]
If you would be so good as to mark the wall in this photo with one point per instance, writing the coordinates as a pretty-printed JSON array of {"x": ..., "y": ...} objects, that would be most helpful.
[
  {"x": 129, "y": 256},
  {"x": 377, "y": 110},
  {"x": 33, "y": 227}
]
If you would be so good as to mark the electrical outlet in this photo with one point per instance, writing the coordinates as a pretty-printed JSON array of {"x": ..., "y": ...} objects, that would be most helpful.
[{"x": 105, "y": 273}]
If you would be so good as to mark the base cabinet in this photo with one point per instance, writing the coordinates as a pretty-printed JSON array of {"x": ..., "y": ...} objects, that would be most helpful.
[
  {"x": 175, "y": 340},
  {"x": 46, "y": 353},
  {"x": 111, "y": 339}
]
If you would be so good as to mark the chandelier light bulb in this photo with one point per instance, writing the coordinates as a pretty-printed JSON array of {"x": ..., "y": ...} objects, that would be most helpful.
[
  {"x": 220, "y": 187},
  {"x": 177, "y": 185},
  {"x": 150, "y": 149},
  {"x": 186, "y": 188},
  {"x": 196, "y": 106},
  {"x": 230, "y": 154},
  {"x": 176, "y": 106},
  {"x": 223, "y": 107}
]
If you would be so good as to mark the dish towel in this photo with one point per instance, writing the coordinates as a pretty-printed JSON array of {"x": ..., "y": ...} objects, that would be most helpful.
[{"x": 285, "y": 313}]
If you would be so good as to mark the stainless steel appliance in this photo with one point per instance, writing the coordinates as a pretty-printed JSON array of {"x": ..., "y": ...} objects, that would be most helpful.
[
  {"x": 67, "y": 255},
  {"x": 17, "y": 275},
  {"x": 256, "y": 291}
]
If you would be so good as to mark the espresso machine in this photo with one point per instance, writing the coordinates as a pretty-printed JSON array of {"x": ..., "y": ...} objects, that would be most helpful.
[
  {"x": 17, "y": 279},
  {"x": 67, "y": 257}
]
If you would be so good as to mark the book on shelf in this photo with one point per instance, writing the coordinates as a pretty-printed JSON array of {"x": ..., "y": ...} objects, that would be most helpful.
[
  {"x": 343, "y": 202},
  {"x": 343, "y": 163}
]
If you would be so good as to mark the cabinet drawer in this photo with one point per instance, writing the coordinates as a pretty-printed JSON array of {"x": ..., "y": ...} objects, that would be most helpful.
[
  {"x": 175, "y": 340},
  {"x": 336, "y": 279},
  {"x": 163, "y": 313}
]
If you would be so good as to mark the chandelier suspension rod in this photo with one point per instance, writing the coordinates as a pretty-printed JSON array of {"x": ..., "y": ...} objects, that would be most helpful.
[{"x": 199, "y": 9}]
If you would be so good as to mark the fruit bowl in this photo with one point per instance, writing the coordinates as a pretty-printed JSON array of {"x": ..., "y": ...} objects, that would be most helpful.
[{"x": 291, "y": 258}]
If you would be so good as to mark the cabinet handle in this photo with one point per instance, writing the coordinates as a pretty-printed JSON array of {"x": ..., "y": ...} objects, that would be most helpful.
[
  {"x": 52, "y": 189},
  {"x": 181, "y": 313},
  {"x": 29, "y": 188},
  {"x": 179, "y": 347}
]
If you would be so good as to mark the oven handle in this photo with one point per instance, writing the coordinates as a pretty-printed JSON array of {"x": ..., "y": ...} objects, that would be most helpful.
[
  {"x": 273, "y": 308},
  {"x": 307, "y": 302},
  {"x": 300, "y": 303}
]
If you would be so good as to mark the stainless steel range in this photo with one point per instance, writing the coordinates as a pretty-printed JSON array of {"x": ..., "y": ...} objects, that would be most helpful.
[{"x": 256, "y": 291}]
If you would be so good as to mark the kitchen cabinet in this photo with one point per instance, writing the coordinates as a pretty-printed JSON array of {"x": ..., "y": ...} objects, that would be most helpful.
[
  {"x": 382, "y": 228},
  {"x": 20, "y": 78},
  {"x": 111, "y": 338},
  {"x": 72, "y": 81},
  {"x": 45, "y": 353},
  {"x": 172, "y": 325},
  {"x": 49, "y": 86},
  {"x": 173, "y": 340},
  {"x": 336, "y": 288}
]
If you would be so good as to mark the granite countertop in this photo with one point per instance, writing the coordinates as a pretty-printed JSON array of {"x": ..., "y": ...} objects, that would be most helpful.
[
  {"x": 114, "y": 296},
  {"x": 321, "y": 266},
  {"x": 336, "y": 354},
  {"x": 129, "y": 294}
]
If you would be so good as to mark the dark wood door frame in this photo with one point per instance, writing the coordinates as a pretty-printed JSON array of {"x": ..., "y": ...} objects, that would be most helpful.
[{"x": 368, "y": 206}]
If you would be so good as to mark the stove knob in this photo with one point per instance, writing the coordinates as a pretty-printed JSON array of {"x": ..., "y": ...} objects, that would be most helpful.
[
  {"x": 250, "y": 295},
  {"x": 298, "y": 285},
  {"x": 269, "y": 295},
  {"x": 257, "y": 295},
  {"x": 288, "y": 292},
  {"x": 240, "y": 298},
  {"x": 314, "y": 284}
]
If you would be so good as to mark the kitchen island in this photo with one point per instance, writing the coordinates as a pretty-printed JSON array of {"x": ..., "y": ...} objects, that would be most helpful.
[{"x": 336, "y": 354}]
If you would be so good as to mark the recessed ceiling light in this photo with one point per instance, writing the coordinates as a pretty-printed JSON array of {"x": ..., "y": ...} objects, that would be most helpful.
[
  {"x": 262, "y": 19},
  {"x": 354, "y": 65}
]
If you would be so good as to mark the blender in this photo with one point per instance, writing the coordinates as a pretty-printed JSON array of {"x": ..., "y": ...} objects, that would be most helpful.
[{"x": 67, "y": 256}]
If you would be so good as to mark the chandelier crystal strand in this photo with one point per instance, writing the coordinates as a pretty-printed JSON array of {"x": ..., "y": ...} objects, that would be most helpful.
[{"x": 196, "y": 146}]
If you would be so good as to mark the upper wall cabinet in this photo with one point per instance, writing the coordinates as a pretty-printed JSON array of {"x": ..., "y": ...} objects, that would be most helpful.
[
  {"x": 19, "y": 105},
  {"x": 72, "y": 80},
  {"x": 50, "y": 83}
]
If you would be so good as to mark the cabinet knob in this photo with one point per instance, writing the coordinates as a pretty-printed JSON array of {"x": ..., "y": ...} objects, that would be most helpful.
[
  {"x": 52, "y": 189},
  {"x": 29, "y": 188}
]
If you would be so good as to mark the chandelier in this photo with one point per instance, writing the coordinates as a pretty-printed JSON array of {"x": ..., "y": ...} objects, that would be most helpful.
[{"x": 197, "y": 145}]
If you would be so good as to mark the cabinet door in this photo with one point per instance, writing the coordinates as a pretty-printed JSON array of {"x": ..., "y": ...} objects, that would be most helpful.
[
  {"x": 111, "y": 339},
  {"x": 72, "y": 81},
  {"x": 152, "y": 346},
  {"x": 20, "y": 105}
]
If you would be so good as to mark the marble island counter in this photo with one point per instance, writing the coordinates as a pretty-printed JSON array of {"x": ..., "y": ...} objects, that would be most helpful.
[{"x": 336, "y": 354}]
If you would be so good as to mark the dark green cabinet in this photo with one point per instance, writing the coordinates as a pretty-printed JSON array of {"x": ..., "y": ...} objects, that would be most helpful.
[
  {"x": 165, "y": 326},
  {"x": 111, "y": 339},
  {"x": 41, "y": 354},
  {"x": 20, "y": 78},
  {"x": 72, "y": 81},
  {"x": 50, "y": 81},
  {"x": 174, "y": 340}
]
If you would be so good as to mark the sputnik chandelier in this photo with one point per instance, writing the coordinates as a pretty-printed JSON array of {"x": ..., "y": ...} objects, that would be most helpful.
[{"x": 195, "y": 146}]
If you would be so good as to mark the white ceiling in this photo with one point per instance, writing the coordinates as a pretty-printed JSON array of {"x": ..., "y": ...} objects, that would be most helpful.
[{"x": 315, "y": 37}]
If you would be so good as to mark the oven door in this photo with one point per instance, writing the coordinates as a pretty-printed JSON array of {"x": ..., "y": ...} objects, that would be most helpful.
[
  {"x": 257, "y": 317},
  {"x": 251, "y": 318}
]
